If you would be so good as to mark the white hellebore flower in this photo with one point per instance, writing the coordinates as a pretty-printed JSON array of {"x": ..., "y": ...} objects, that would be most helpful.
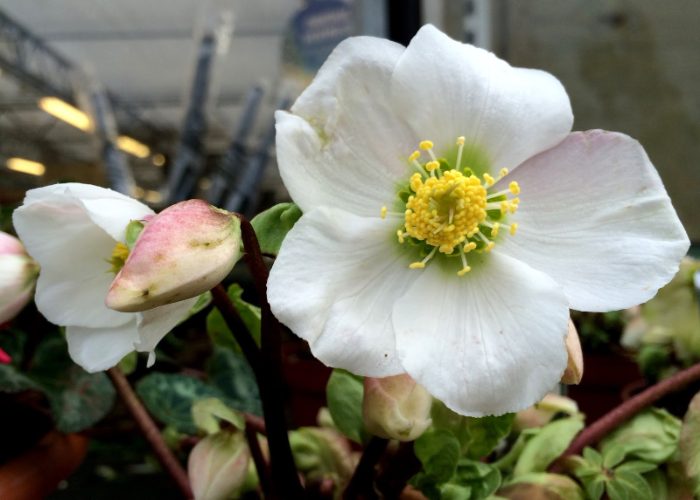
[
  {"x": 76, "y": 232},
  {"x": 436, "y": 282}
]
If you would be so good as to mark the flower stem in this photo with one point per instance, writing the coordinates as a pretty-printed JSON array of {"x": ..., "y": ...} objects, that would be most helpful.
[
  {"x": 362, "y": 481},
  {"x": 238, "y": 329},
  {"x": 285, "y": 481},
  {"x": 261, "y": 464},
  {"x": 150, "y": 431},
  {"x": 619, "y": 415},
  {"x": 402, "y": 467}
]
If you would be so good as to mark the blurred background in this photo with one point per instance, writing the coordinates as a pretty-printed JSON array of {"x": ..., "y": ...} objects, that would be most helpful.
[{"x": 167, "y": 100}]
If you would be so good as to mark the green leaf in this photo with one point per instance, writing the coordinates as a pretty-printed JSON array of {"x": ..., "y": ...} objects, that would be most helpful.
[
  {"x": 207, "y": 413},
  {"x": 613, "y": 455},
  {"x": 551, "y": 442},
  {"x": 128, "y": 363},
  {"x": 616, "y": 490},
  {"x": 132, "y": 233},
  {"x": 516, "y": 450},
  {"x": 438, "y": 451},
  {"x": 344, "y": 395},
  {"x": 481, "y": 479},
  {"x": 593, "y": 456},
  {"x": 477, "y": 436},
  {"x": 451, "y": 491},
  {"x": 13, "y": 380},
  {"x": 78, "y": 399},
  {"x": 231, "y": 374},
  {"x": 594, "y": 486},
  {"x": 656, "y": 480},
  {"x": 271, "y": 226},
  {"x": 633, "y": 484},
  {"x": 202, "y": 302},
  {"x": 250, "y": 315},
  {"x": 170, "y": 396},
  {"x": 651, "y": 435},
  {"x": 636, "y": 466},
  {"x": 690, "y": 439},
  {"x": 564, "y": 487},
  {"x": 13, "y": 342}
]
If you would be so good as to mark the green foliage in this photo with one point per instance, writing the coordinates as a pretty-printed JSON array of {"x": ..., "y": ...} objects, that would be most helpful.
[
  {"x": 272, "y": 226},
  {"x": 78, "y": 399},
  {"x": 208, "y": 413},
  {"x": 128, "y": 363},
  {"x": 624, "y": 482},
  {"x": 477, "y": 436},
  {"x": 230, "y": 373},
  {"x": 344, "y": 396},
  {"x": 652, "y": 436},
  {"x": 132, "y": 232},
  {"x": 219, "y": 331},
  {"x": 170, "y": 396},
  {"x": 547, "y": 445},
  {"x": 690, "y": 441}
]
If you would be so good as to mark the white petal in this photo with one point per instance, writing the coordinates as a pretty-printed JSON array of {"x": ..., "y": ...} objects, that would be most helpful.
[
  {"x": 342, "y": 146},
  {"x": 595, "y": 217},
  {"x": 489, "y": 342},
  {"x": 97, "y": 349},
  {"x": 334, "y": 283},
  {"x": 155, "y": 324},
  {"x": 445, "y": 89},
  {"x": 71, "y": 250}
]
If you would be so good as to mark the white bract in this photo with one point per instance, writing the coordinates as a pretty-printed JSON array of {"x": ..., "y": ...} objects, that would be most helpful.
[
  {"x": 426, "y": 262},
  {"x": 76, "y": 232}
]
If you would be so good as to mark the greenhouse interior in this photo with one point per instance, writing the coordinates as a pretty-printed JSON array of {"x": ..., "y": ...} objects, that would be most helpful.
[{"x": 349, "y": 249}]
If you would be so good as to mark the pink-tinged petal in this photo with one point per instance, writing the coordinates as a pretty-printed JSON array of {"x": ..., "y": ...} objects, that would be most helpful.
[
  {"x": 594, "y": 215},
  {"x": 218, "y": 465},
  {"x": 17, "y": 278},
  {"x": 486, "y": 343},
  {"x": 184, "y": 251},
  {"x": 574, "y": 366},
  {"x": 4, "y": 358},
  {"x": 446, "y": 89},
  {"x": 9, "y": 245}
]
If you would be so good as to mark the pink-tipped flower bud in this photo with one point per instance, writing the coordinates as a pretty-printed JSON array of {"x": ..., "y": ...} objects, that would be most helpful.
[
  {"x": 4, "y": 358},
  {"x": 182, "y": 252},
  {"x": 396, "y": 407},
  {"x": 18, "y": 273},
  {"x": 218, "y": 465},
  {"x": 574, "y": 367}
]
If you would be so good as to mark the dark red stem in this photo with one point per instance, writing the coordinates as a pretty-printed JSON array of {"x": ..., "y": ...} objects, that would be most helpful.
[
  {"x": 619, "y": 415},
  {"x": 150, "y": 431},
  {"x": 285, "y": 481},
  {"x": 261, "y": 465},
  {"x": 362, "y": 482}
]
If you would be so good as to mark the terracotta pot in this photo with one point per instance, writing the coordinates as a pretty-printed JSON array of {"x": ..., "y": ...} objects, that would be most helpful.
[{"x": 36, "y": 473}]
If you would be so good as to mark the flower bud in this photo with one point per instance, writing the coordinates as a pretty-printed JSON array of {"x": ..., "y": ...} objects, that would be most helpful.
[
  {"x": 543, "y": 412},
  {"x": 4, "y": 357},
  {"x": 321, "y": 453},
  {"x": 396, "y": 407},
  {"x": 182, "y": 252},
  {"x": 18, "y": 273},
  {"x": 218, "y": 465},
  {"x": 574, "y": 367}
]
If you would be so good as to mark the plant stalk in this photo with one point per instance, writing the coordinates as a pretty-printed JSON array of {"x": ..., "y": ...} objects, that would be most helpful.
[
  {"x": 362, "y": 482},
  {"x": 150, "y": 431}
]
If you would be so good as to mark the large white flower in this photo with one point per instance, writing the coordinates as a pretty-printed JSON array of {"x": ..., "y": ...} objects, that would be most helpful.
[
  {"x": 439, "y": 284},
  {"x": 75, "y": 232}
]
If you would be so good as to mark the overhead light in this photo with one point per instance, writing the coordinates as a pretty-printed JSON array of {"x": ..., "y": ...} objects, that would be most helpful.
[
  {"x": 26, "y": 166},
  {"x": 158, "y": 160},
  {"x": 138, "y": 192},
  {"x": 133, "y": 147},
  {"x": 153, "y": 196},
  {"x": 64, "y": 111}
]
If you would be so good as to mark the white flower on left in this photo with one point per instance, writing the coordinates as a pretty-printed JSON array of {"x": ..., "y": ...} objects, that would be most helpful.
[{"x": 74, "y": 231}]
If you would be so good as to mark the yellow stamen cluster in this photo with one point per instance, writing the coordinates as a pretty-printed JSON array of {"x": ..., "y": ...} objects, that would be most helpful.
[
  {"x": 118, "y": 258},
  {"x": 445, "y": 211}
]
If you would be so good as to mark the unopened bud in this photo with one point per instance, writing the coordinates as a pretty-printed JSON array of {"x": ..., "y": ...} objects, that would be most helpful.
[
  {"x": 396, "y": 407},
  {"x": 543, "y": 412},
  {"x": 4, "y": 357},
  {"x": 182, "y": 252},
  {"x": 18, "y": 273},
  {"x": 218, "y": 466},
  {"x": 574, "y": 367}
]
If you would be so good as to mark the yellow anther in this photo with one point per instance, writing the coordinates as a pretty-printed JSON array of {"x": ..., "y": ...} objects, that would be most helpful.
[
  {"x": 469, "y": 247},
  {"x": 489, "y": 180},
  {"x": 494, "y": 230},
  {"x": 417, "y": 265},
  {"x": 460, "y": 141},
  {"x": 432, "y": 165},
  {"x": 513, "y": 228},
  {"x": 513, "y": 208},
  {"x": 119, "y": 255},
  {"x": 504, "y": 206},
  {"x": 399, "y": 233},
  {"x": 490, "y": 246},
  {"x": 464, "y": 271},
  {"x": 414, "y": 156},
  {"x": 504, "y": 172},
  {"x": 515, "y": 201},
  {"x": 383, "y": 212},
  {"x": 514, "y": 188},
  {"x": 426, "y": 145}
]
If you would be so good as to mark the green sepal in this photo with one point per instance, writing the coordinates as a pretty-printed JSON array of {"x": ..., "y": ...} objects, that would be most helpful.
[
  {"x": 132, "y": 233},
  {"x": 272, "y": 226}
]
